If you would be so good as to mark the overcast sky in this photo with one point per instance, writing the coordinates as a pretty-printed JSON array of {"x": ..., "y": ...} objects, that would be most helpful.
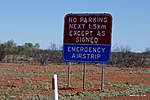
[{"x": 42, "y": 21}]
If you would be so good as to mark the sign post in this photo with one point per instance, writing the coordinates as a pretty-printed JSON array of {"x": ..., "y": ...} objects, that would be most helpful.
[
  {"x": 102, "y": 76},
  {"x": 87, "y": 37},
  {"x": 102, "y": 80},
  {"x": 84, "y": 76},
  {"x": 69, "y": 64}
]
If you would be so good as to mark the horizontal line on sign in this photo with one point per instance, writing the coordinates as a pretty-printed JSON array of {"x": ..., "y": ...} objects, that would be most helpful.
[{"x": 86, "y": 44}]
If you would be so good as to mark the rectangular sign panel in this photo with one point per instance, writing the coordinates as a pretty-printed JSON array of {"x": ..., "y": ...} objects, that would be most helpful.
[
  {"x": 86, "y": 53},
  {"x": 87, "y": 37}
]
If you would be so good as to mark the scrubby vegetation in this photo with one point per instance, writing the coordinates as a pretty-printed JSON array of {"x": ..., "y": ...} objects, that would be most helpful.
[{"x": 31, "y": 53}]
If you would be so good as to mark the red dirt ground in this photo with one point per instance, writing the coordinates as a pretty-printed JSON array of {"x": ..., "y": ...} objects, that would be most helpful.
[{"x": 23, "y": 79}]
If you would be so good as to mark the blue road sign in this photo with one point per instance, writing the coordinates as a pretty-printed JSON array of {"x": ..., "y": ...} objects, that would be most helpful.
[{"x": 86, "y": 53}]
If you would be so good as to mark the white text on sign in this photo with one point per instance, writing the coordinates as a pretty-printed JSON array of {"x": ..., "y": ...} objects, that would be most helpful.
[
  {"x": 86, "y": 52},
  {"x": 87, "y": 29},
  {"x": 88, "y": 19}
]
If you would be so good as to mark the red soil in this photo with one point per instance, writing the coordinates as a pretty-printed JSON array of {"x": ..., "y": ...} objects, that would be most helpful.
[{"x": 25, "y": 77}]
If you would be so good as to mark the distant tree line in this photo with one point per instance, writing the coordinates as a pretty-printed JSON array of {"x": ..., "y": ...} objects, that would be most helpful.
[
  {"x": 31, "y": 53},
  {"x": 123, "y": 56}
]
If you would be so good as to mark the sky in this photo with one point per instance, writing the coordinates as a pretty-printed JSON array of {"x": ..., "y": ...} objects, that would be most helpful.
[{"x": 42, "y": 21}]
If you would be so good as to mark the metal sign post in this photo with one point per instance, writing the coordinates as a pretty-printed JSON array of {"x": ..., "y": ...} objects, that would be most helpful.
[
  {"x": 102, "y": 80},
  {"x": 69, "y": 64},
  {"x": 84, "y": 76},
  {"x": 103, "y": 66}
]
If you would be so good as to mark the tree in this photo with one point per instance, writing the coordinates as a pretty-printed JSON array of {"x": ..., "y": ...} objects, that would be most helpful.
[
  {"x": 29, "y": 45},
  {"x": 8, "y": 46},
  {"x": 42, "y": 56},
  {"x": 2, "y": 52},
  {"x": 124, "y": 57},
  {"x": 36, "y": 46}
]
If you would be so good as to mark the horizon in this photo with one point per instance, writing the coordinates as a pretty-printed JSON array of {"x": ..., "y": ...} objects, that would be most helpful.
[{"x": 114, "y": 48}]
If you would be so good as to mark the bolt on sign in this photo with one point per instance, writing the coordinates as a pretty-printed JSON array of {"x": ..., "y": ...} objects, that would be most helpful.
[{"x": 87, "y": 37}]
